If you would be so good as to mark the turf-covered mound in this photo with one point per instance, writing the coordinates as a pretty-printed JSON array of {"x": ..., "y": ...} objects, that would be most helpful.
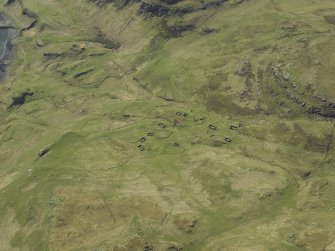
[{"x": 168, "y": 125}]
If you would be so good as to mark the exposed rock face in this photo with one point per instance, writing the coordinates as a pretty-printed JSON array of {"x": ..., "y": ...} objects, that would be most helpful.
[
  {"x": 120, "y": 4},
  {"x": 170, "y": 2},
  {"x": 150, "y": 9},
  {"x": 176, "y": 30},
  {"x": 32, "y": 16},
  {"x": 43, "y": 152}
]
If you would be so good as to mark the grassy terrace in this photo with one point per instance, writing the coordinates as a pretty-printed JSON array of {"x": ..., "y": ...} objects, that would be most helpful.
[{"x": 169, "y": 125}]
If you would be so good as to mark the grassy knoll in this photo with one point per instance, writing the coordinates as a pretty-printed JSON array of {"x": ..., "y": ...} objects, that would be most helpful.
[{"x": 169, "y": 125}]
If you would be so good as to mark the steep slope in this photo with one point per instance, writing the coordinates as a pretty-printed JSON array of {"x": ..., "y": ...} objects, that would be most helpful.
[{"x": 169, "y": 125}]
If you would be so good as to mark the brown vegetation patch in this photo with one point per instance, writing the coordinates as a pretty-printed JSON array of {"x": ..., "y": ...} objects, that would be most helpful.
[{"x": 86, "y": 219}]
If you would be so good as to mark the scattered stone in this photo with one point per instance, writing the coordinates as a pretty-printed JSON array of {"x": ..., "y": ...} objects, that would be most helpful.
[
  {"x": 196, "y": 142},
  {"x": 209, "y": 30},
  {"x": 232, "y": 127},
  {"x": 199, "y": 121},
  {"x": 182, "y": 114},
  {"x": 150, "y": 134},
  {"x": 43, "y": 152},
  {"x": 176, "y": 145},
  {"x": 286, "y": 76},
  {"x": 227, "y": 139},
  {"x": 143, "y": 139},
  {"x": 265, "y": 195},
  {"x": 141, "y": 148},
  {"x": 305, "y": 174},
  {"x": 212, "y": 127},
  {"x": 151, "y": 9},
  {"x": 161, "y": 125}
]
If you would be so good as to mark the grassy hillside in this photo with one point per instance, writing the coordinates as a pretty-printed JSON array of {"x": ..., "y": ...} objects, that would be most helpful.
[{"x": 169, "y": 125}]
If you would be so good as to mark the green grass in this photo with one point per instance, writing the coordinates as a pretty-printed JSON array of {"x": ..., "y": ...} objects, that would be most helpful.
[{"x": 96, "y": 190}]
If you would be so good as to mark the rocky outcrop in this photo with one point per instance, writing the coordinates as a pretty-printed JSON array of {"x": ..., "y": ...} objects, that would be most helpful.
[
  {"x": 20, "y": 99},
  {"x": 119, "y": 4},
  {"x": 176, "y": 30},
  {"x": 330, "y": 19},
  {"x": 32, "y": 16},
  {"x": 150, "y": 9}
]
